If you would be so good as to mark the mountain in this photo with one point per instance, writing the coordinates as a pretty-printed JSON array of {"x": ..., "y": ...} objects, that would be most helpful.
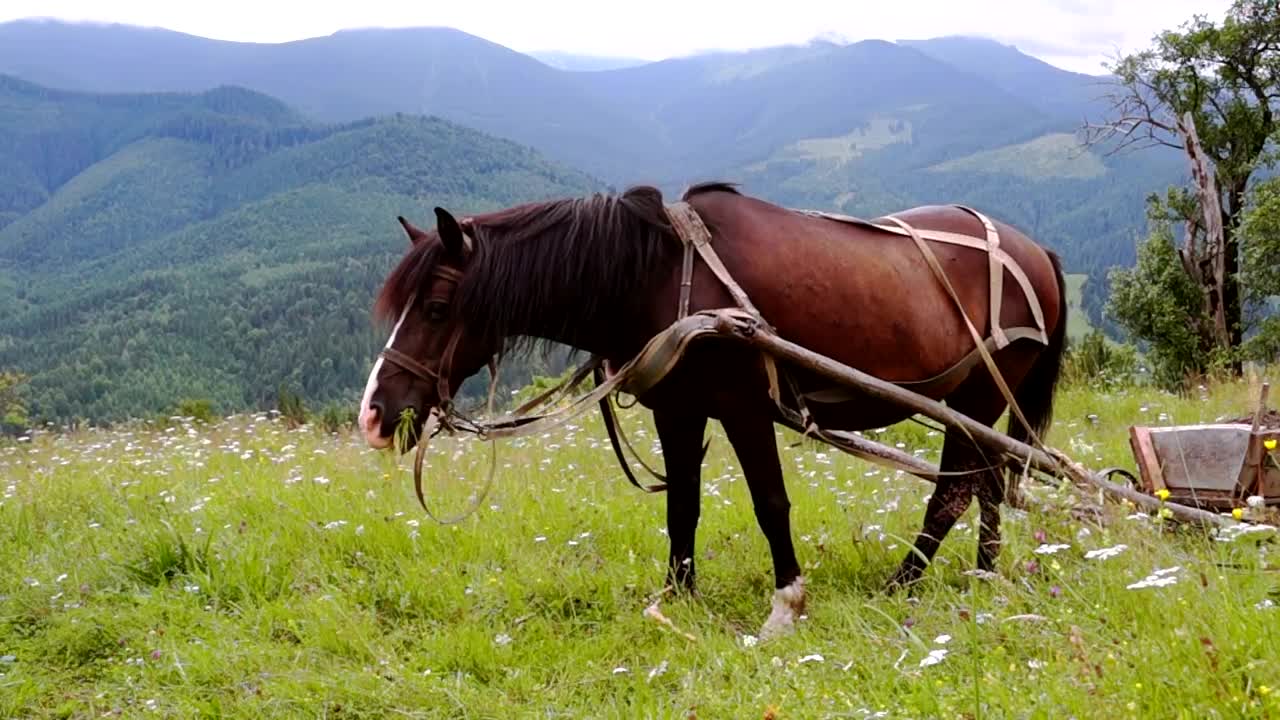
[
  {"x": 216, "y": 245},
  {"x": 345, "y": 76},
  {"x": 1057, "y": 92},
  {"x": 736, "y": 109},
  {"x": 866, "y": 127}
]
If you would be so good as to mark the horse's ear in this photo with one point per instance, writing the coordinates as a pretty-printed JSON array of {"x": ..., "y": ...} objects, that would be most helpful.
[
  {"x": 450, "y": 233},
  {"x": 416, "y": 235}
]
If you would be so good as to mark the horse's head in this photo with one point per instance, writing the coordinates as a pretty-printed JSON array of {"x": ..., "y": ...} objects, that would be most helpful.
[{"x": 430, "y": 351}]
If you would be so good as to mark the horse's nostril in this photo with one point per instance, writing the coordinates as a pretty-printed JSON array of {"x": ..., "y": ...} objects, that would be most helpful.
[{"x": 375, "y": 414}]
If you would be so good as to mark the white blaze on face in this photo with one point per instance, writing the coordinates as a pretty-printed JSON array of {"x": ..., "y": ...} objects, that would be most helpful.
[{"x": 368, "y": 422}]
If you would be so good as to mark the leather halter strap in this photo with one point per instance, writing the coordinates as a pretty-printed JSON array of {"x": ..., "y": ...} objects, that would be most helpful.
[
  {"x": 439, "y": 374},
  {"x": 407, "y": 362}
]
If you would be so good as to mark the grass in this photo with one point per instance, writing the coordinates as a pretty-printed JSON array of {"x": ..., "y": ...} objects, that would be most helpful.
[
  {"x": 242, "y": 569},
  {"x": 1078, "y": 325}
]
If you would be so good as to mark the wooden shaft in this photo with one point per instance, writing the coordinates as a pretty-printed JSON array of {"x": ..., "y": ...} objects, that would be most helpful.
[
  {"x": 1256, "y": 451},
  {"x": 887, "y": 391},
  {"x": 856, "y": 444}
]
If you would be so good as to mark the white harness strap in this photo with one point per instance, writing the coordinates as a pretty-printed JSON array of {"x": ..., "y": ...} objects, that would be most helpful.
[
  {"x": 997, "y": 277},
  {"x": 998, "y": 260}
]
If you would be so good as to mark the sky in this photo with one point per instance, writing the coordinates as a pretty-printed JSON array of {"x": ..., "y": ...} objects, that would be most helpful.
[{"x": 1073, "y": 34}]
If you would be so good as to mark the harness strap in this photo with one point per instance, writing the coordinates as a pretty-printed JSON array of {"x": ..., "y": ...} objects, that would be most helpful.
[
  {"x": 997, "y": 276},
  {"x": 995, "y": 252},
  {"x": 977, "y": 339},
  {"x": 408, "y": 363},
  {"x": 695, "y": 235},
  {"x": 617, "y": 439},
  {"x": 840, "y": 394}
]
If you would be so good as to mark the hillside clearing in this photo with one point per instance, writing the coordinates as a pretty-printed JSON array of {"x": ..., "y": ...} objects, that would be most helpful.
[
  {"x": 248, "y": 570},
  {"x": 1056, "y": 155},
  {"x": 878, "y": 133}
]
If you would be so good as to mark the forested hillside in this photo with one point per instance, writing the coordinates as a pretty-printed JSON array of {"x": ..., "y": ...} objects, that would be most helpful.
[{"x": 215, "y": 245}]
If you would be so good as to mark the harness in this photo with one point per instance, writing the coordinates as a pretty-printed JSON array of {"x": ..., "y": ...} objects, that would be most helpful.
[
  {"x": 662, "y": 352},
  {"x": 695, "y": 236},
  {"x": 439, "y": 375}
]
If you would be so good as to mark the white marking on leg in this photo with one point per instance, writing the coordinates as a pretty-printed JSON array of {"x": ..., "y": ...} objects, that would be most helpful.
[
  {"x": 368, "y": 423},
  {"x": 788, "y": 605}
]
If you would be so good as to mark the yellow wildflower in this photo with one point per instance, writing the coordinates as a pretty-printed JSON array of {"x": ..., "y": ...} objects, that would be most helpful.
[
  {"x": 1269, "y": 443},
  {"x": 1162, "y": 493},
  {"x": 1237, "y": 513}
]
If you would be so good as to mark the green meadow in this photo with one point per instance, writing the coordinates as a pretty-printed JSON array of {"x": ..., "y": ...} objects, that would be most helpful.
[{"x": 245, "y": 568}]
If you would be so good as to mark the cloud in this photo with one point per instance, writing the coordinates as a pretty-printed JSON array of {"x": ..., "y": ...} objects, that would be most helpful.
[
  {"x": 1082, "y": 7},
  {"x": 1079, "y": 47}
]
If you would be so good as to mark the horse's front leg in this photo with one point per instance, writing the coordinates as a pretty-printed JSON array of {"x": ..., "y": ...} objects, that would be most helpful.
[
  {"x": 752, "y": 438},
  {"x": 681, "y": 436}
]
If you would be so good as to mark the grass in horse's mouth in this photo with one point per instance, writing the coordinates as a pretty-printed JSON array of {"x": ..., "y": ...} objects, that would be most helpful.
[{"x": 405, "y": 428}]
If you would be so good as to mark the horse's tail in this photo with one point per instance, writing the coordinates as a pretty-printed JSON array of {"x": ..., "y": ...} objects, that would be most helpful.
[{"x": 1035, "y": 394}]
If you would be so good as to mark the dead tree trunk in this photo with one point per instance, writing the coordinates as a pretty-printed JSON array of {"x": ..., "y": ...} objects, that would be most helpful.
[{"x": 1207, "y": 265}]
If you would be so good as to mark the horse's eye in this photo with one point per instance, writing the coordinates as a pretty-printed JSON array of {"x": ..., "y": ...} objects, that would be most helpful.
[{"x": 437, "y": 311}]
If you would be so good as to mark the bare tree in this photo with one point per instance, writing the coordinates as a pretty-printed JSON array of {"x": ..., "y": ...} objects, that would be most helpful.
[{"x": 1210, "y": 90}]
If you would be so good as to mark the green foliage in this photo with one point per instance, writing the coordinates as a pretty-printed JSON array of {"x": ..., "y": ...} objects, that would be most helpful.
[
  {"x": 291, "y": 407},
  {"x": 337, "y": 417},
  {"x": 13, "y": 408},
  {"x": 1260, "y": 270},
  {"x": 1260, "y": 226},
  {"x": 1158, "y": 304},
  {"x": 1226, "y": 76},
  {"x": 1096, "y": 361},
  {"x": 198, "y": 409}
]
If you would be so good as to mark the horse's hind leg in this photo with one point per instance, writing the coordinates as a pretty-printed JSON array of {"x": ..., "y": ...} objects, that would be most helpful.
[
  {"x": 949, "y": 501},
  {"x": 752, "y": 438},
  {"x": 681, "y": 437},
  {"x": 979, "y": 399}
]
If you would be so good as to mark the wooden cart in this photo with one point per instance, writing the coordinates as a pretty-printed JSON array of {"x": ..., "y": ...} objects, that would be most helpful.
[{"x": 1214, "y": 466}]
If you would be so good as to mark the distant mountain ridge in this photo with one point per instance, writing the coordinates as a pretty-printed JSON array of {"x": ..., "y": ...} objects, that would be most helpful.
[
  {"x": 737, "y": 115},
  {"x": 647, "y": 122}
]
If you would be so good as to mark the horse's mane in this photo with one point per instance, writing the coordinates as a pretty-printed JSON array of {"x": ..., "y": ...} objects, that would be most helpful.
[{"x": 557, "y": 261}]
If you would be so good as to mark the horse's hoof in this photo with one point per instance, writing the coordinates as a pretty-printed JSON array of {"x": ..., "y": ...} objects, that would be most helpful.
[
  {"x": 902, "y": 582},
  {"x": 788, "y": 606},
  {"x": 774, "y": 628}
]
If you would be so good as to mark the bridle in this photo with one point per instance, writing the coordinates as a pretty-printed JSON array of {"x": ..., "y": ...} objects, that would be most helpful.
[
  {"x": 448, "y": 416},
  {"x": 449, "y": 276}
]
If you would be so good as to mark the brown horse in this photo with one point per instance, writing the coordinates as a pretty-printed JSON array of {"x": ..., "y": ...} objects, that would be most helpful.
[{"x": 603, "y": 274}]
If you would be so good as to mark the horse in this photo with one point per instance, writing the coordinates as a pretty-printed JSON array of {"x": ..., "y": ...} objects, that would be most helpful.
[{"x": 603, "y": 273}]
